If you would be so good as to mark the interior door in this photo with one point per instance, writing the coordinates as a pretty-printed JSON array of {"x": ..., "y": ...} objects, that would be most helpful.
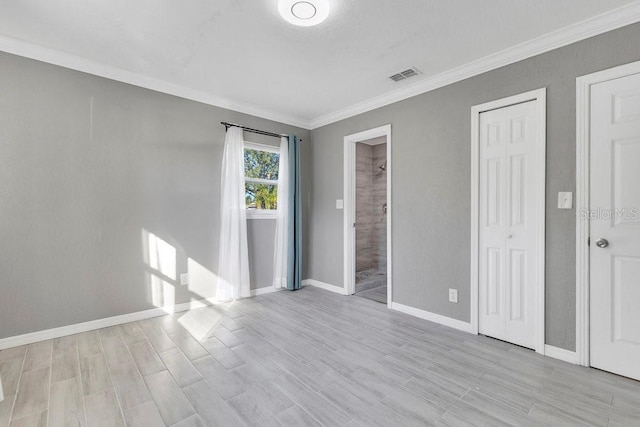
[
  {"x": 615, "y": 226},
  {"x": 507, "y": 245}
]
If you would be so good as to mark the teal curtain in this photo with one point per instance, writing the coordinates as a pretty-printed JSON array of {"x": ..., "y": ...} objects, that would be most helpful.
[{"x": 294, "y": 258}]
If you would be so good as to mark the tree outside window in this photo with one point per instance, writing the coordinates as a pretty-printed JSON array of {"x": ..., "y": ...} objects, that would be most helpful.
[{"x": 261, "y": 177}]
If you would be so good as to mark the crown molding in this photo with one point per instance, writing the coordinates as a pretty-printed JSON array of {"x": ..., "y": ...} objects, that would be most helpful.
[
  {"x": 603, "y": 23},
  {"x": 599, "y": 24},
  {"x": 78, "y": 63}
]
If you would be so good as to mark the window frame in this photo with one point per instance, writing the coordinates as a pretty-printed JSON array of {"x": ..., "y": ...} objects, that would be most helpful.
[{"x": 261, "y": 213}]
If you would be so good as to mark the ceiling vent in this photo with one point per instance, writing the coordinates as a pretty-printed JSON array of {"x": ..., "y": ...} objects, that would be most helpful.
[{"x": 403, "y": 75}]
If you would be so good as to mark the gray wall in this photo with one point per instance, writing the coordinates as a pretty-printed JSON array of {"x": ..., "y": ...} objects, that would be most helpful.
[
  {"x": 431, "y": 181},
  {"x": 87, "y": 166}
]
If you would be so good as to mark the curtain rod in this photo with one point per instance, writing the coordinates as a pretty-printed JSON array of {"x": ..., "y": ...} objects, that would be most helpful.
[{"x": 259, "y": 132}]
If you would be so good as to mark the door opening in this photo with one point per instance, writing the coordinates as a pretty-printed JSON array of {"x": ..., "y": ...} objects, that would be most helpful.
[
  {"x": 367, "y": 215},
  {"x": 371, "y": 219}
]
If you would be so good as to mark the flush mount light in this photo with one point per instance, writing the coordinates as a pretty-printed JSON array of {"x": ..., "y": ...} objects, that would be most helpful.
[{"x": 304, "y": 13}]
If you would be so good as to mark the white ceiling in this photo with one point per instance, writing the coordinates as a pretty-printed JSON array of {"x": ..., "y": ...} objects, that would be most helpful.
[{"x": 241, "y": 50}]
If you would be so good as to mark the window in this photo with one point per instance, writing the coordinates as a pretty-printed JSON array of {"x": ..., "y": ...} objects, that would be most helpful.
[{"x": 261, "y": 179}]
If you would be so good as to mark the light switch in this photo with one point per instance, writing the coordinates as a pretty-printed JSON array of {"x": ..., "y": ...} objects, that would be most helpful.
[
  {"x": 339, "y": 204},
  {"x": 565, "y": 200}
]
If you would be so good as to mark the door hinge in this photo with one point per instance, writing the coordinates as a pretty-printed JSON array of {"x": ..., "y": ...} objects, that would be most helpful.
[{"x": 588, "y": 241}]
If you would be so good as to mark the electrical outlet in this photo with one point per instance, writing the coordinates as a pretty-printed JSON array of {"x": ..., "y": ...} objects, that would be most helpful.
[
  {"x": 184, "y": 279},
  {"x": 453, "y": 295}
]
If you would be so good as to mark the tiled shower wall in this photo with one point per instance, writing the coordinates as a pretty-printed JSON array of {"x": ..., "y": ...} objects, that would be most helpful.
[
  {"x": 379, "y": 209},
  {"x": 371, "y": 195}
]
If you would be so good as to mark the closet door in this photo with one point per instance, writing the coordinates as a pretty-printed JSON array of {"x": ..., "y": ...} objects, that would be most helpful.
[{"x": 507, "y": 245}]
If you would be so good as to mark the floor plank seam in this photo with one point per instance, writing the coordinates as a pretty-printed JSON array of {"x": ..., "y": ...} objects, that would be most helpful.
[
  {"x": 15, "y": 396},
  {"x": 82, "y": 394},
  {"x": 50, "y": 382},
  {"x": 113, "y": 387}
]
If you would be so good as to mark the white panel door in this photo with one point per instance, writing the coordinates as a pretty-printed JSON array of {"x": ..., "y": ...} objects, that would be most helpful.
[
  {"x": 507, "y": 244},
  {"x": 615, "y": 217}
]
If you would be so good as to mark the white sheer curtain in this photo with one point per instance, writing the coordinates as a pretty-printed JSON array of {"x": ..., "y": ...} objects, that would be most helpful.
[
  {"x": 281, "y": 249},
  {"x": 233, "y": 259}
]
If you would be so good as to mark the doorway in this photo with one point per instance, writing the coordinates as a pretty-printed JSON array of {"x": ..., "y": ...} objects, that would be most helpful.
[
  {"x": 371, "y": 224},
  {"x": 367, "y": 215},
  {"x": 608, "y": 221},
  {"x": 508, "y": 217}
]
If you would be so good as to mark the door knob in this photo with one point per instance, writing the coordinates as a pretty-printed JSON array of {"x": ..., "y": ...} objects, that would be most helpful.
[{"x": 602, "y": 243}]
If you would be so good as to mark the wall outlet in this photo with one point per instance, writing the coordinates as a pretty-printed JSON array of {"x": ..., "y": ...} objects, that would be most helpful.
[
  {"x": 453, "y": 295},
  {"x": 339, "y": 204},
  {"x": 184, "y": 279}
]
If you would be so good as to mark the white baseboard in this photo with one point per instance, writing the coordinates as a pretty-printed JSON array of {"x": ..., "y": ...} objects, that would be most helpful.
[
  {"x": 265, "y": 290},
  {"x": 432, "y": 317},
  {"x": 436, "y": 318},
  {"x": 77, "y": 328},
  {"x": 561, "y": 354},
  {"x": 550, "y": 351},
  {"x": 325, "y": 286}
]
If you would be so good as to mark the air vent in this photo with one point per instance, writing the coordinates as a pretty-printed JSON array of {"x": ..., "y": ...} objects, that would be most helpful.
[{"x": 403, "y": 75}]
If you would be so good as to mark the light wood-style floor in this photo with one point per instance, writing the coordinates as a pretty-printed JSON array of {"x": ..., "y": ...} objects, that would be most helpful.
[
  {"x": 378, "y": 294},
  {"x": 304, "y": 358}
]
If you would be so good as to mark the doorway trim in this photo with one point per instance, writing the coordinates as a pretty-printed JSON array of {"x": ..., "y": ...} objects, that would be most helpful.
[
  {"x": 350, "y": 207},
  {"x": 583, "y": 149},
  {"x": 540, "y": 96}
]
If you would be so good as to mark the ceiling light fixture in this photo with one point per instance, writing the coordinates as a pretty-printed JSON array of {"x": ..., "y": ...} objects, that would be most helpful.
[{"x": 304, "y": 13}]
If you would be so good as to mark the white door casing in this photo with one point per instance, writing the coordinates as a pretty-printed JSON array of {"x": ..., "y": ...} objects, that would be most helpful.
[
  {"x": 614, "y": 215},
  {"x": 508, "y": 219}
]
